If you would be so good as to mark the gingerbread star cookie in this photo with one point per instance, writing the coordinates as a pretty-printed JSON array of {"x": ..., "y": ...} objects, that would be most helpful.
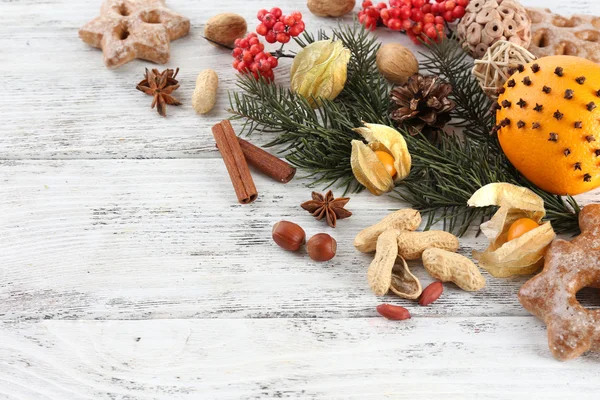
[
  {"x": 551, "y": 295},
  {"x": 129, "y": 29}
]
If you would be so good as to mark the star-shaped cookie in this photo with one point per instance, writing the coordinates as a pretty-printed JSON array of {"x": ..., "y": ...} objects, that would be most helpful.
[
  {"x": 129, "y": 29},
  {"x": 551, "y": 296}
]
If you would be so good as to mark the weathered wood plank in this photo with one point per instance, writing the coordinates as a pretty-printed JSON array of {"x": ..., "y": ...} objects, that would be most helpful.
[
  {"x": 60, "y": 102},
  {"x": 366, "y": 358},
  {"x": 132, "y": 239}
]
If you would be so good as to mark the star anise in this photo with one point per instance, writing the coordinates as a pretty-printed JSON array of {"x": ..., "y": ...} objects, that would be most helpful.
[
  {"x": 160, "y": 85},
  {"x": 327, "y": 207}
]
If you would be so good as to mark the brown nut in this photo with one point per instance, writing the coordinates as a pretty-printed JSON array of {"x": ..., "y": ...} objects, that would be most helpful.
[
  {"x": 288, "y": 235},
  {"x": 330, "y": 8},
  {"x": 225, "y": 28},
  {"x": 321, "y": 247},
  {"x": 396, "y": 63}
]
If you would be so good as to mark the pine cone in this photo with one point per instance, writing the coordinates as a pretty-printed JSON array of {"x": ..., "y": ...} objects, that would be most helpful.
[{"x": 423, "y": 102}]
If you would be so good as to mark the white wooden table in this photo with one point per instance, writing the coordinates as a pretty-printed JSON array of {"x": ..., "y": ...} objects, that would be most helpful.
[{"x": 128, "y": 271}]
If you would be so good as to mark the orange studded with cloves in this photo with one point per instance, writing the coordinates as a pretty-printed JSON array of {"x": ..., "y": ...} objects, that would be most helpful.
[{"x": 548, "y": 123}]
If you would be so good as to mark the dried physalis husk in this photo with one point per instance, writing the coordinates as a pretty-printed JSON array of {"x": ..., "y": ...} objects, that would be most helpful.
[
  {"x": 367, "y": 167},
  {"x": 404, "y": 283},
  {"x": 523, "y": 255},
  {"x": 320, "y": 70}
]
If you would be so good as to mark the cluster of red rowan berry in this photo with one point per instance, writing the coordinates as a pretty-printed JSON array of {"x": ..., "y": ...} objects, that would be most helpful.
[
  {"x": 276, "y": 27},
  {"x": 249, "y": 53},
  {"x": 422, "y": 20}
]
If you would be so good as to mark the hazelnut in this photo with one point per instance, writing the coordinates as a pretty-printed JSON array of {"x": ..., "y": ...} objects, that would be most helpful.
[
  {"x": 330, "y": 8},
  {"x": 396, "y": 63},
  {"x": 288, "y": 235},
  {"x": 225, "y": 28},
  {"x": 321, "y": 247}
]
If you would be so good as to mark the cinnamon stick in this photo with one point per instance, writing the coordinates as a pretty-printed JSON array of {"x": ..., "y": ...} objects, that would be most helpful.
[
  {"x": 267, "y": 163},
  {"x": 236, "y": 164}
]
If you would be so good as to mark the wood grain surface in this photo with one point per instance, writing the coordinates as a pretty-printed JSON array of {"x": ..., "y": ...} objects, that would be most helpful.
[{"x": 129, "y": 271}]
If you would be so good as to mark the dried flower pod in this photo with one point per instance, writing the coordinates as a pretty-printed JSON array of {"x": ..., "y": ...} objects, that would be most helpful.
[
  {"x": 367, "y": 167},
  {"x": 320, "y": 70},
  {"x": 523, "y": 255},
  {"x": 489, "y": 21}
]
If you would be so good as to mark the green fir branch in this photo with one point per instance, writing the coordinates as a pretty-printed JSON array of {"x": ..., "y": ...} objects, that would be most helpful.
[
  {"x": 472, "y": 114},
  {"x": 444, "y": 174}
]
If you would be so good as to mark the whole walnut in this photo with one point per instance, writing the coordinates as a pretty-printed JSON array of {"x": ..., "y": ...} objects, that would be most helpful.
[
  {"x": 489, "y": 21},
  {"x": 331, "y": 8}
]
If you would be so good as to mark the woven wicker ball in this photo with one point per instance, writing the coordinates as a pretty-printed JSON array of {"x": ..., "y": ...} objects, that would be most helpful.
[
  {"x": 489, "y": 21},
  {"x": 498, "y": 64}
]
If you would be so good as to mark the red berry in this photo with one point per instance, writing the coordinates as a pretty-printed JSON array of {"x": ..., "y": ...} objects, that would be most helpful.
[
  {"x": 393, "y": 12},
  {"x": 273, "y": 61},
  {"x": 283, "y": 37},
  {"x": 237, "y": 52},
  {"x": 236, "y": 63},
  {"x": 261, "y": 56},
  {"x": 262, "y": 29},
  {"x": 264, "y": 66},
  {"x": 253, "y": 40},
  {"x": 244, "y": 43},
  {"x": 407, "y": 24},
  {"x": 300, "y": 25},
  {"x": 458, "y": 12},
  {"x": 439, "y": 1},
  {"x": 298, "y": 15},
  {"x": 289, "y": 20},
  {"x": 242, "y": 66},
  {"x": 294, "y": 31},
  {"x": 435, "y": 8},
  {"x": 405, "y": 12},
  {"x": 429, "y": 18},
  {"x": 395, "y": 24},
  {"x": 439, "y": 19},
  {"x": 418, "y": 3},
  {"x": 431, "y": 32},
  {"x": 367, "y": 3},
  {"x": 450, "y": 4},
  {"x": 426, "y": 8},
  {"x": 440, "y": 27},
  {"x": 372, "y": 12},
  {"x": 271, "y": 37},
  {"x": 248, "y": 56},
  {"x": 416, "y": 15},
  {"x": 255, "y": 49},
  {"x": 269, "y": 20},
  {"x": 276, "y": 11},
  {"x": 385, "y": 14},
  {"x": 261, "y": 14},
  {"x": 417, "y": 28},
  {"x": 462, "y": 3},
  {"x": 279, "y": 27},
  {"x": 381, "y": 6},
  {"x": 449, "y": 17}
]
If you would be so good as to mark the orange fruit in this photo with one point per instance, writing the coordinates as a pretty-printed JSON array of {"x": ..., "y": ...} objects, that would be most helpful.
[
  {"x": 521, "y": 227},
  {"x": 388, "y": 162},
  {"x": 548, "y": 120}
]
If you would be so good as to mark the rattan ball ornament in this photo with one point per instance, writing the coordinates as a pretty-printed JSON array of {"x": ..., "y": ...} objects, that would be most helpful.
[
  {"x": 489, "y": 21},
  {"x": 498, "y": 64}
]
